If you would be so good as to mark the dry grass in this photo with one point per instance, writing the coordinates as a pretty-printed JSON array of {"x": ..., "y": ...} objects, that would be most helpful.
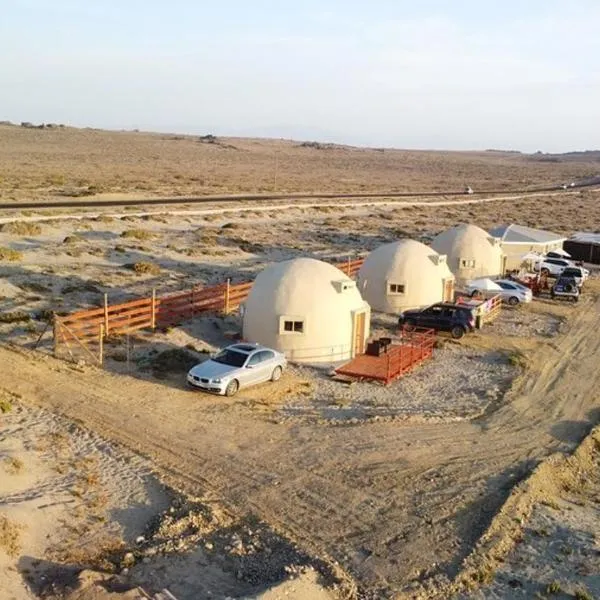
[
  {"x": 15, "y": 316},
  {"x": 137, "y": 234},
  {"x": 21, "y": 228},
  {"x": 13, "y": 465},
  {"x": 10, "y": 255},
  {"x": 69, "y": 161},
  {"x": 10, "y": 534},
  {"x": 146, "y": 268}
]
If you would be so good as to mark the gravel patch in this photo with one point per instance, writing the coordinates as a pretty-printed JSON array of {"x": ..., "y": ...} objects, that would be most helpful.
[
  {"x": 523, "y": 322},
  {"x": 457, "y": 383}
]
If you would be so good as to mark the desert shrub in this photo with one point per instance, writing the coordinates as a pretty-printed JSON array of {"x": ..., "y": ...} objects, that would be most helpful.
[
  {"x": 176, "y": 360},
  {"x": 146, "y": 268},
  {"x": 86, "y": 286},
  {"x": 56, "y": 179},
  {"x": 21, "y": 228},
  {"x": 5, "y": 405},
  {"x": 13, "y": 465},
  {"x": 71, "y": 239},
  {"x": 15, "y": 316},
  {"x": 518, "y": 359},
  {"x": 104, "y": 219},
  {"x": 10, "y": 255},
  {"x": 484, "y": 575},
  {"x": 582, "y": 594},
  {"x": 138, "y": 234},
  {"x": 553, "y": 587},
  {"x": 33, "y": 286},
  {"x": 10, "y": 534}
]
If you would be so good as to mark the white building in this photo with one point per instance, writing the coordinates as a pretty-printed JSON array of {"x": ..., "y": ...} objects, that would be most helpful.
[
  {"x": 404, "y": 275},
  {"x": 307, "y": 309},
  {"x": 518, "y": 240},
  {"x": 472, "y": 252}
]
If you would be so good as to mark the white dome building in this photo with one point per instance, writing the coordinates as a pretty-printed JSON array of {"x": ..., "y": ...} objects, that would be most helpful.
[
  {"x": 404, "y": 275},
  {"x": 472, "y": 252},
  {"x": 307, "y": 309}
]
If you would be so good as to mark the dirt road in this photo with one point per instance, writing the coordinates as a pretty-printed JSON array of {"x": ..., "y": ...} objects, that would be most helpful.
[
  {"x": 217, "y": 209},
  {"x": 393, "y": 503}
]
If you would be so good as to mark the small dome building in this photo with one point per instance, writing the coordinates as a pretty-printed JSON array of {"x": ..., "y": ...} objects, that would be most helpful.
[
  {"x": 472, "y": 252},
  {"x": 307, "y": 309},
  {"x": 404, "y": 275}
]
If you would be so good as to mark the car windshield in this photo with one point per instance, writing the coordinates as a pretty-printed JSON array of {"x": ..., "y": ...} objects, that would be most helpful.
[
  {"x": 513, "y": 285},
  {"x": 231, "y": 358}
]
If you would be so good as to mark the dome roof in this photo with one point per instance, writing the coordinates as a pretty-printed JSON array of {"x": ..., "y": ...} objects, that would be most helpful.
[
  {"x": 303, "y": 290},
  {"x": 420, "y": 272},
  {"x": 405, "y": 255},
  {"x": 460, "y": 236},
  {"x": 472, "y": 251}
]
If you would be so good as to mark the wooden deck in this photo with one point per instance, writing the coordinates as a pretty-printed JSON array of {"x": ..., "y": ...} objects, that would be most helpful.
[{"x": 403, "y": 355}]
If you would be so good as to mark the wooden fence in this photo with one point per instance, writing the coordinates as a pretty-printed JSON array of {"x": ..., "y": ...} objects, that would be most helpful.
[{"x": 81, "y": 334}]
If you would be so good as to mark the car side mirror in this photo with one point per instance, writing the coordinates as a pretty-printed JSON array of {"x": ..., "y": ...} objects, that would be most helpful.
[{"x": 249, "y": 366}]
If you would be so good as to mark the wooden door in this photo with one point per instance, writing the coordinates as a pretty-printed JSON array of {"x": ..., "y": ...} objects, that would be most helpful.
[
  {"x": 449, "y": 290},
  {"x": 359, "y": 334}
]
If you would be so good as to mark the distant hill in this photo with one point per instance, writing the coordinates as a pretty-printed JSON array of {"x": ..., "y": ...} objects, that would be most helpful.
[{"x": 582, "y": 156}]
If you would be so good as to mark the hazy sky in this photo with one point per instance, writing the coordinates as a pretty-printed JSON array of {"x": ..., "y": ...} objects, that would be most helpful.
[{"x": 462, "y": 74}]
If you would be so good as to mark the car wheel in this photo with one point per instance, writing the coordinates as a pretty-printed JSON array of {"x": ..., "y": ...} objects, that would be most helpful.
[
  {"x": 409, "y": 326},
  {"x": 232, "y": 388},
  {"x": 545, "y": 271},
  {"x": 568, "y": 287},
  {"x": 276, "y": 374},
  {"x": 457, "y": 332},
  {"x": 474, "y": 293},
  {"x": 513, "y": 301}
]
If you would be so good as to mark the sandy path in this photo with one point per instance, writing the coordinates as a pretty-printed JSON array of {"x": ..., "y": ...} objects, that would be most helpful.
[
  {"x": 247, "y": 207},
  {"x": 393, "y": 503}
]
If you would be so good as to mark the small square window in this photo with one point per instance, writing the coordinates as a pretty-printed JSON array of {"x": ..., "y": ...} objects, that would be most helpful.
[
  {"x": 467, "y": 263},
  {"x": 292, "y": 326},
  {"x": 396, "y": 288}
]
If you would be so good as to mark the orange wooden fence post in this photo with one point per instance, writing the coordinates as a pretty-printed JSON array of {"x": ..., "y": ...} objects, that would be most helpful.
[
  {"x": 55, "y": 333},
  {"x": 227, "y": 293},
  {"x": 106, "y": 314},
  {"x": 153, "y": 310},
  {"x": 101, "y": 345}
]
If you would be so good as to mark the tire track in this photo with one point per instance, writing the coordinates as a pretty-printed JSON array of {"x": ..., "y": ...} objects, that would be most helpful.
[{"x": 387, "y": 500}]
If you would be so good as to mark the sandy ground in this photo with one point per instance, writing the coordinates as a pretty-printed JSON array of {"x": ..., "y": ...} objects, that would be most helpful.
[
  {"x": 556, "y": 551},
  {"x": 70, "y": 499},
  {"x": 385, "y": 492},
  {"x": 397, "y": 506}
]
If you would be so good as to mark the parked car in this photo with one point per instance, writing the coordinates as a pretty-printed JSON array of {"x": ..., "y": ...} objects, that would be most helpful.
[
  {"x": 579, "y": 274},
  {"x": 511, "y": 292},
  {"x": 237, "y": 366},
  {"x": 443, "y": 316},
  {"x": 565, "y": 287},
  {"x": 553, "y": 266}
]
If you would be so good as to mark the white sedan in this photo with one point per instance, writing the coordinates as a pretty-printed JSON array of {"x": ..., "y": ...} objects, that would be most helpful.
[
  {"x": 511, "y": 292},
  {"x": 237, "y": 366}
]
